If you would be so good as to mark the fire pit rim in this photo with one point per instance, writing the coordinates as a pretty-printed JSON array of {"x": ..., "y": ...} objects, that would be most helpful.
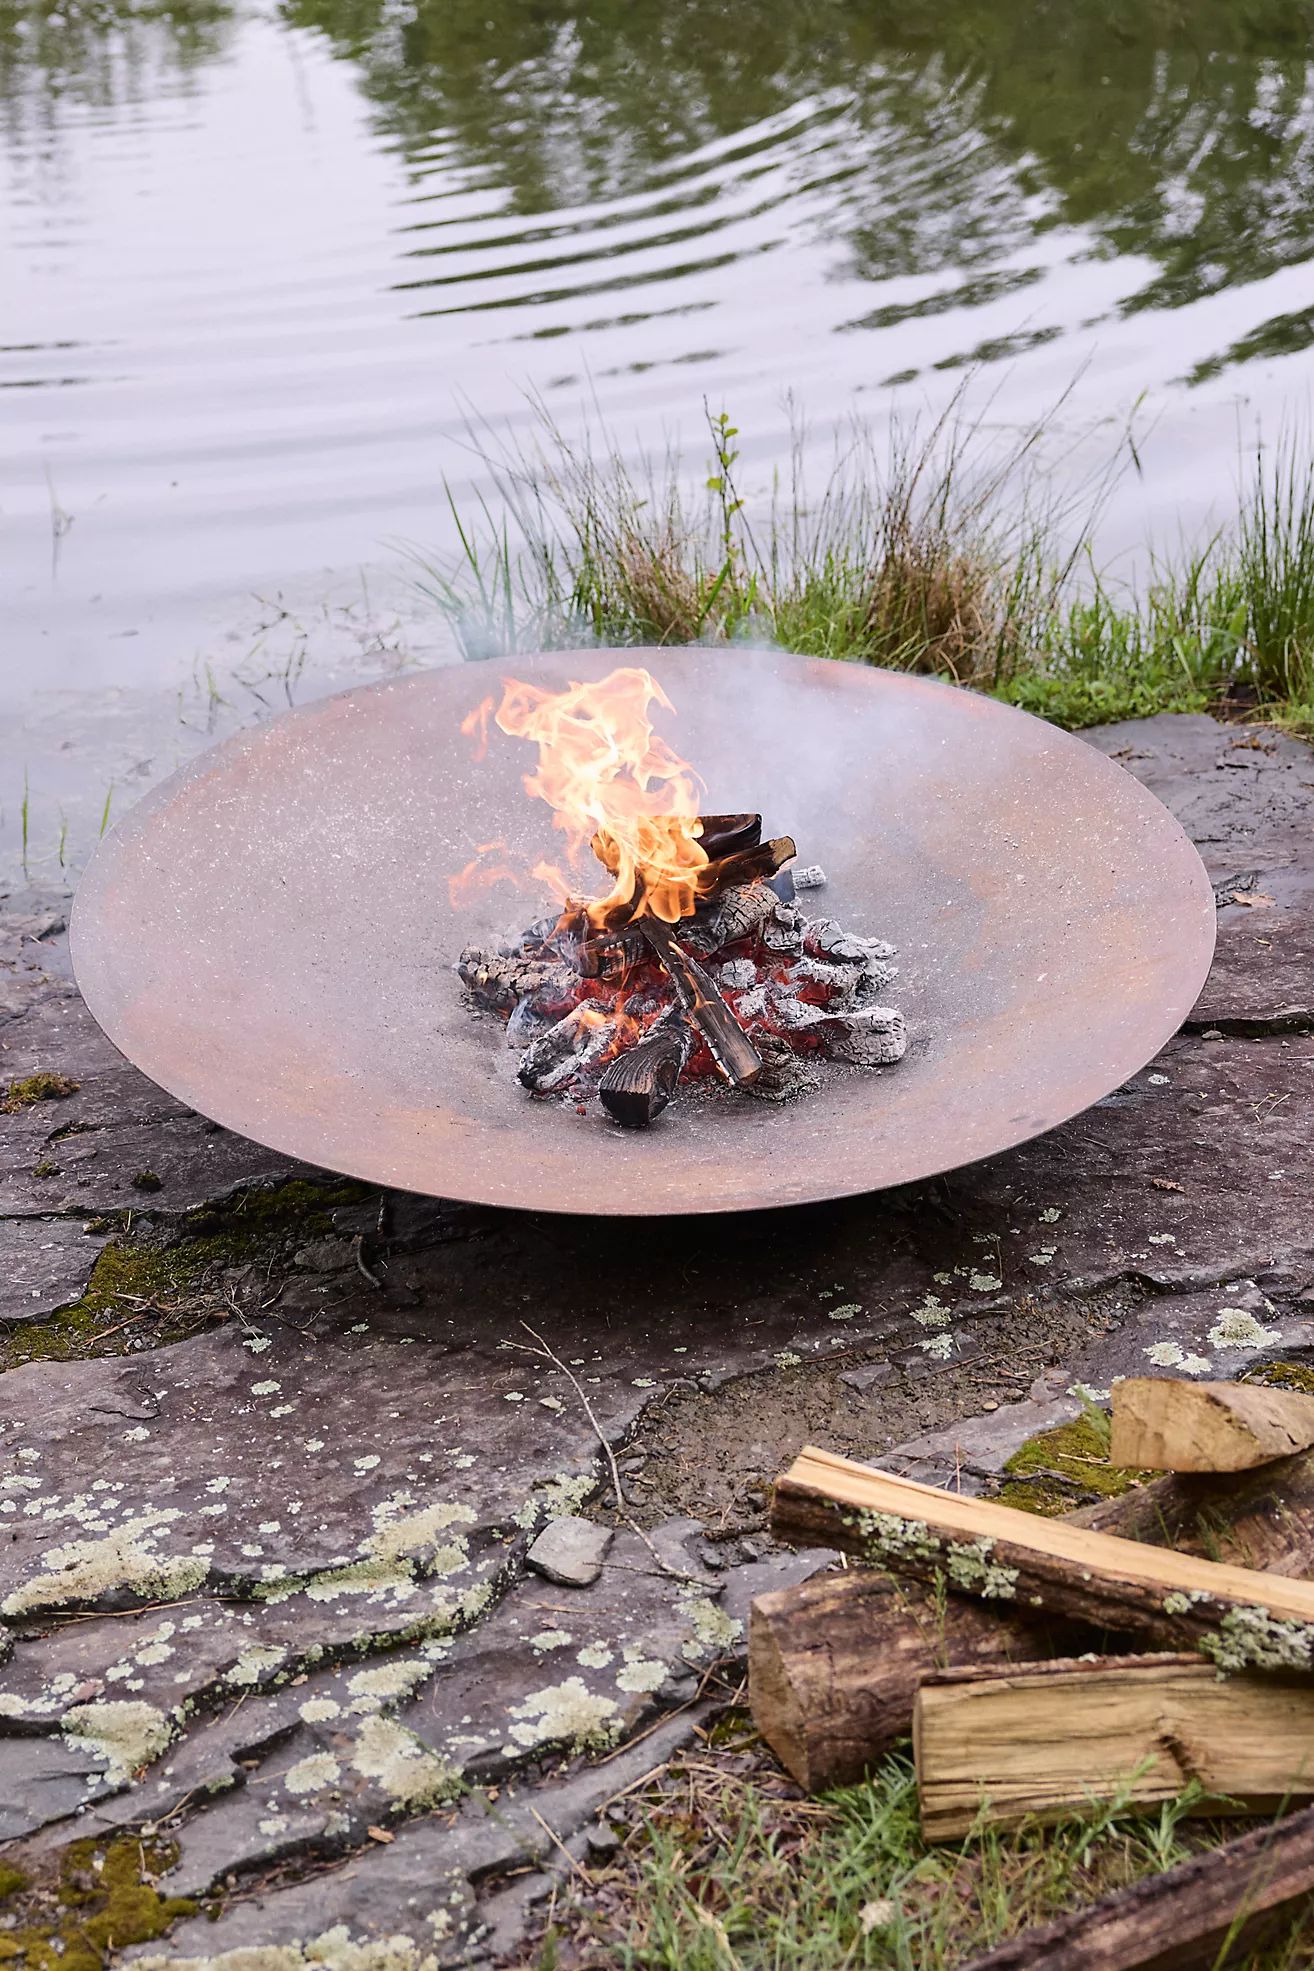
[{"x": 296, "y": 1133}]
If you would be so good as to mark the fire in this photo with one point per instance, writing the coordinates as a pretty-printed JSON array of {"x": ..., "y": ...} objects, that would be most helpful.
[{"x": 612, "y": 785}]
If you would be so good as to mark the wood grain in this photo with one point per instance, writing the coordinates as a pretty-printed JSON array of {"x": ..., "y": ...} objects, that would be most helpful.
[
  {"x": 1161, "y": 1423},
  {"x": 996, "y": 1745}
]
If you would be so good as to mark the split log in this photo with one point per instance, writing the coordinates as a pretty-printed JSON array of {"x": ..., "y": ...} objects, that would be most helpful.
[
  {"x": 729, "y": 1046},
  {"x": 640, "y": 1083},
  {"x": 768, "y": 859},
  {"x": 1163, "y": 1423},
  {"x": 997, "y": 1745},
  {"x": 1238, "y": 1618},
  {"x": 834, "y": 1664},
  {"x": 1210, "y": 1913}
]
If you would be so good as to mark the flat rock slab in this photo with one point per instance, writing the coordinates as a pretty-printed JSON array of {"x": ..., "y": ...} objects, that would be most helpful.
[{"x": 305, "y": 1526}]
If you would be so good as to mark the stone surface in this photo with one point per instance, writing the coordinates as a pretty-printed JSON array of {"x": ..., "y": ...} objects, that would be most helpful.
[
  {"x": 275, "y": 1452},
  {"x": 570, "y": 1551}
]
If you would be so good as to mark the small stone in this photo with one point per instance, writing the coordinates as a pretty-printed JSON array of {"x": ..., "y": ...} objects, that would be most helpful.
[
  {"x": 570, "y": 1551},
  {"x": 1211, "y": 1033},
  {"x": 872, "y": 1375},
  {"x": 990, "y": 1403},
  {"x": 323, "y": 1256}
]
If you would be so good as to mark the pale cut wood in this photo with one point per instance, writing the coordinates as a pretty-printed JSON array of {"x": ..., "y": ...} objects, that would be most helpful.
[
  {"x": 1239, "y": 1618},
  {"x": 1208, "y": 1914},
  {"x": 834, "y": 1664},
  {"x": 1162, "y": 1423},
  {"x": 997, "y": 1745}
]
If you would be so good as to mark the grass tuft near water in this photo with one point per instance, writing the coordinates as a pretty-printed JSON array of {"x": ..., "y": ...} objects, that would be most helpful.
[{"x": 946, "y": 554}]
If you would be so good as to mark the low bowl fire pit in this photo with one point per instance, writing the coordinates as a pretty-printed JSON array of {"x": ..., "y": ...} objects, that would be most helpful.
[{"x": 272, "y": 935}]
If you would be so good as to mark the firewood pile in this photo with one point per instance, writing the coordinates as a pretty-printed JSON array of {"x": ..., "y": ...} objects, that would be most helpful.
[{"x": 1161, "y": 1638}]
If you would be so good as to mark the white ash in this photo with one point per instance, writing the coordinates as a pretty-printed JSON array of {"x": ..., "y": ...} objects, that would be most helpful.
[
  {"x": 739, "y": 974},
  {"x": 811, "y": 878}
]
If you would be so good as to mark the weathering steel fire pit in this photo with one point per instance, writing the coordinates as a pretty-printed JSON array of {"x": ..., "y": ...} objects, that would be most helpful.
[{"x": 270, "y": 934}]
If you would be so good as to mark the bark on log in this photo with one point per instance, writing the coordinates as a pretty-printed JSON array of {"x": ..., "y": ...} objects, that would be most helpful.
[
  {"x": 1168, "y": 1600},
  {"x": 834, "y": 1664},
  {"x": 639, "y": 1083},
  {"x": 1212, "y": 1911},
  {"x": 997, "y": 1745},
  {"x": 1162, "y": 1423},
  {"x": 1262, "y": 1519}
]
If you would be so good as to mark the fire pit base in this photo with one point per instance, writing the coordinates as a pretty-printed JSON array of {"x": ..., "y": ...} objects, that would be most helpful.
[{"x": 269, "y": 934}]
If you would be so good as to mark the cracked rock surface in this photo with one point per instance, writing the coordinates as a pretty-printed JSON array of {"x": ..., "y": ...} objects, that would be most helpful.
[{"x": 274, "y": 1449}]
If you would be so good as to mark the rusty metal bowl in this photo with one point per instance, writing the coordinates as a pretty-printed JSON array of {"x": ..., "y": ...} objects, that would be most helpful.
[{"x": 269, "y": 934}]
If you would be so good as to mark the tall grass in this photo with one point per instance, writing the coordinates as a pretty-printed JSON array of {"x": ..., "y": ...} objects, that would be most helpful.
[{"x": 947, "y": 552}]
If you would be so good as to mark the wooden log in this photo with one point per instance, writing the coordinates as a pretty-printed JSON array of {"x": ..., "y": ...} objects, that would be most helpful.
[
  {"x": 996, "y": 1745},
  {"x": 834, "y": 1664},
  {"x": 726, "y": 834},
  {"x": 1238, "y": 1618},
  {"x": 640, "y": 1083},
  {"x": 1210, "y": 1913},
  {"x": 730, "y": 1047},
  {"x": 1262, "y": 1519},
  {"x": 1164, "y": 1423},
  {"x": 726, "y": 871}
]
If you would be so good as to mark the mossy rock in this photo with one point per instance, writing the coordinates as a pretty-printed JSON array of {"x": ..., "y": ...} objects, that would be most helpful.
[
  {"x": 106, "y": 1896},
  {"x": 1060, "y": 1469},
  {"x": 39, "y": 1087},
  {"x": 1282, "y": 1375},
  {"x": 163, "y": 1270}
]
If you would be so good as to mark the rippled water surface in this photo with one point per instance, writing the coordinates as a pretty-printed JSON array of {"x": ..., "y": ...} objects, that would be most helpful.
[{"x": 259, "y": 268}]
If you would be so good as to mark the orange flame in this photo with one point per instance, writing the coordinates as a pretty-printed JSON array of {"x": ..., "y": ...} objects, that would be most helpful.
[{"x": 611, "y": 782}]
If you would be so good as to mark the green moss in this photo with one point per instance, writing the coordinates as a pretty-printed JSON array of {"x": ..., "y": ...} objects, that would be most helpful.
[
  {"x": 105, "y": 1897},
  {"x": 1282, "y": 1375},
  {"x": 46, "y": 1168},
  {"x": 39, "y": 1087},
  {"x": 1062, "y": 1468},
  {"x": 11, "y": 1880},
  {"x": 162, "y": 1271}
]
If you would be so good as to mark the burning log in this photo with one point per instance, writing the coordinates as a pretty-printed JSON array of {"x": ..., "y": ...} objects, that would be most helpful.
[
  {"x": 566, "y": 1050},
  {"x": 641, "y": 1082},
  {"x": 727, "y": 1043},
  {"x": 502, "y": 980},
  {"x": 726, "y": 834},
  {"x": 728, "y": 870},
  {"x": 738, "y": 913}
]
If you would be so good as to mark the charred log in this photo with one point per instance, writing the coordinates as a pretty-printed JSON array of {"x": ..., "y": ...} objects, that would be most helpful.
[
  {"x": 565, "y": 1051},
  {"x": 727, "y": 834},
  {"x": 727, "y": 1043},
  {"x": 501, "y": 981},
  {"x": 640, "y": 1083}
]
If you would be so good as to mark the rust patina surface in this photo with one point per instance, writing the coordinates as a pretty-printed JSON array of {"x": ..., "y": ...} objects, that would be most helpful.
[{"x": 269, "y": 935}]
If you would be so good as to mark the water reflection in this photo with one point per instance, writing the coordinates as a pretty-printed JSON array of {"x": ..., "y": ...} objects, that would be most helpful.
[
  {"x": 943, "y": 136},
  {"x": 258, "y": 256}
]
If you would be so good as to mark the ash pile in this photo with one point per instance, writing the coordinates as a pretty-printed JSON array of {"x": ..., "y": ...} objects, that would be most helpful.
[{"x": 748, "y": 989}]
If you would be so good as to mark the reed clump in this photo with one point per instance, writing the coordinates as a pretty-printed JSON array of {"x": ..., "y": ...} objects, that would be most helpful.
[{"x": 947, "y": 553}]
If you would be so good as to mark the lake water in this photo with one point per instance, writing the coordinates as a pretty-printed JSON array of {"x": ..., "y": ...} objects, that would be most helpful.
[{"x": 260, "y": 270}]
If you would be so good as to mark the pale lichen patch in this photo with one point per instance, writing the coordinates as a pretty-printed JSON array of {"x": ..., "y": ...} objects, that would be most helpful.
[
  {"x": 403, "y": 1765},
  {"x": 312, "y": 1774},
  {"x": 126, "y": 1735},
  {"x": 568, "y": 1713},
  {"x": 84, "y": 1570}
]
